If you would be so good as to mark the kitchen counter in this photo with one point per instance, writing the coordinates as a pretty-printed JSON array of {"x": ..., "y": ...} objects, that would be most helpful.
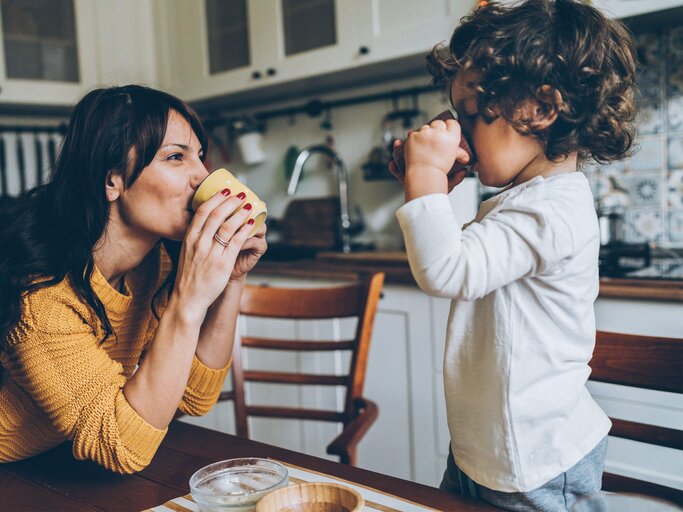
[{"x": 335, "y": 265}]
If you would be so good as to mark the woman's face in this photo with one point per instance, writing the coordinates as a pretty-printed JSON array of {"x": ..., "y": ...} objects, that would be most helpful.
[{"x": 157, "y": 205}]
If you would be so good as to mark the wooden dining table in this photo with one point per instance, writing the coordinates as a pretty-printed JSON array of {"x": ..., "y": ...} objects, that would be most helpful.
[{"x": 55, "y": 481}]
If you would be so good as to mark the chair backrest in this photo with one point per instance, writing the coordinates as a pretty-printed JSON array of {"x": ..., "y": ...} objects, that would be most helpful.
[
  {"x": 641, "y": 362},
  {"x": 358, "y": 299}
]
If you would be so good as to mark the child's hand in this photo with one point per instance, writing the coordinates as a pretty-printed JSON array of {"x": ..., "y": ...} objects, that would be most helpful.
[
  {"x": 429, "y": 154},
  {"x": 434, "y": 147},
  {"x": 454, "y": 177}
]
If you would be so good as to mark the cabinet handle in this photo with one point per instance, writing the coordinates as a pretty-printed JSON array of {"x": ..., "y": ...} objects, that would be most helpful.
[
  {"x": 363, "y": 50},
  {"x": 256, "y": 75},
  {"x": 271, "y": 72}
]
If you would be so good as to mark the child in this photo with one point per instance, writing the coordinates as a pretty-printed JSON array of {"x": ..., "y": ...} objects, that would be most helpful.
[{"x": 538, "y": 88}]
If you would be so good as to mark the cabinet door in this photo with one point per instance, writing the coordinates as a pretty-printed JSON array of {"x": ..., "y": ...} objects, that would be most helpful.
[
  {"x": 211, "y": 47},
  {"x": 309, "y": 37},
  {"x": 400, "y": 377},
  {"x": 214, "y": 47},
  {"x": 47, "y": 51},
  {"x": 387, "y": 446},
  {"x": 397, "y": 28},
  {"x": 624, "y": 8},
  {"x": 127, "y": 50}
]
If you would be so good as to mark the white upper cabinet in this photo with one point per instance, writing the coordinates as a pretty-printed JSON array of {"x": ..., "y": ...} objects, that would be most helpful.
[
  {"x": 126, "y": 42},
  {"x": 212, "y": 48},
  {"x": 47, "y": 49},
  {"x": 626, "y": 8},
  {"x": 306, "y": 38},
  {"x": 396, "y": 28},
  {"x": 206, "y": 47},
  {"x": 53, "y": 51}
]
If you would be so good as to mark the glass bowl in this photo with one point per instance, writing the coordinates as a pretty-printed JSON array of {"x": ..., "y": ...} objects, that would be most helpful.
[{"x": 235, "y": 485}]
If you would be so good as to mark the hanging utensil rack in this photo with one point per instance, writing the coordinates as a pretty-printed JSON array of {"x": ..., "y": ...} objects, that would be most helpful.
[{"x": 316, "y": 107}]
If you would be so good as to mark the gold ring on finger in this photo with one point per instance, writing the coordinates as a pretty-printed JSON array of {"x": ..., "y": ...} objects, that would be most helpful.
[{"x": 220, "y": 240}]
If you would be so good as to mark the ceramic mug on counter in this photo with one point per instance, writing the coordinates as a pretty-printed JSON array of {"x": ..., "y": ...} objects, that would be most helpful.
[{"x": 221, "y": 179}]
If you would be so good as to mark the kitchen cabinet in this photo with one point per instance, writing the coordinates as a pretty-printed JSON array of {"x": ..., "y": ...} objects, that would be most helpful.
[
  {"x": 48, "y": 55},
  {"x": 125, "y": 42},
  {"x": 403, "y": 378},
  {"x": 211, "y": 48},
  {"x": 214, "y": 48},
  {"x": 396, "y": 28},
  {"x": 626, "y": 8}
]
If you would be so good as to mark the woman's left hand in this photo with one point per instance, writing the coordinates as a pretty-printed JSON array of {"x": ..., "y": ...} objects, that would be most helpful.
[{"x": 251, "y": 252}]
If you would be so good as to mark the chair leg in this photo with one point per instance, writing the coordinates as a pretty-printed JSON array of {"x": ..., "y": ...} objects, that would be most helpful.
[{"x": 349, "y": 457}]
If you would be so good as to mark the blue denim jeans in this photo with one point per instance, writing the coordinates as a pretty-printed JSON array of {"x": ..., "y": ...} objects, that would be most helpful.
[{"x": 556, "y": 495}]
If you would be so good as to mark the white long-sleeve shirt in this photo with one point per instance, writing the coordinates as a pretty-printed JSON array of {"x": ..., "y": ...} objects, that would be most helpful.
[{"x": 523, "y": 277}]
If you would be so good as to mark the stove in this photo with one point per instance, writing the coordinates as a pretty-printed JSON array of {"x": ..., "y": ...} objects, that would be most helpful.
[
  {"x": 638, "y": 261},
  {"x": 660, "y": 268}
]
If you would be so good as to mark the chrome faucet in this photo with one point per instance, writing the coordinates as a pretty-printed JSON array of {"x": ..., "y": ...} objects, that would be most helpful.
[{"x": 342, "y": 182}]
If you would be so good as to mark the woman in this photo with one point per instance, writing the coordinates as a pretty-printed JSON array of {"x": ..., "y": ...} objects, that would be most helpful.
[{"x": 107, "y": 325}]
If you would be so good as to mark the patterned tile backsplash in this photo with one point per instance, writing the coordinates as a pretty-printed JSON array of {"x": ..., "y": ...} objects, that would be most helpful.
[{"x": 652, "y": 178}]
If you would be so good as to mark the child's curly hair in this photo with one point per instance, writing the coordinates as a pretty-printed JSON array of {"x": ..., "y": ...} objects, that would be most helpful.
[{"x": 563, "y": 54}]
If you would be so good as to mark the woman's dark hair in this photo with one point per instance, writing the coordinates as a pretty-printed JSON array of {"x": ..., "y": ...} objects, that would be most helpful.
[
  {"x": 49, "y": 234},
  {"x": 517, "y": 51}
]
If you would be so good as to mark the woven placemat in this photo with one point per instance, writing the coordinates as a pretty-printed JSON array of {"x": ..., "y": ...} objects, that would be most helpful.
[{"x": 375, "y": 500}]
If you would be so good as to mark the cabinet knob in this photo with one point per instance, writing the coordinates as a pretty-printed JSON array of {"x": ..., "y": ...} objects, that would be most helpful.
[
  {"x": 271, "y": 71},
  {"x": 256, "y": 75},
  {"x": 363, "y": 50}
]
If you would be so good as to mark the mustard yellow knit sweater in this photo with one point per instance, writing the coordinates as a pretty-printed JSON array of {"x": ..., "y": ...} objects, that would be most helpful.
[{"x": 60, "y": 382}]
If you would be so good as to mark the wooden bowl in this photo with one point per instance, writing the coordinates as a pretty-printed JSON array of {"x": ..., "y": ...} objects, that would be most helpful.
[{"x": 312, "y": 497}]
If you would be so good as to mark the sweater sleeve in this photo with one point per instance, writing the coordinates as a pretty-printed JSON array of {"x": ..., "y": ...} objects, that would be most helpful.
[
  {"x": 56, "y": 357},
  {"x": 203, "y": 388},
  {"x": 512, "y": 243},
  {"x": 203, "y": 385}
]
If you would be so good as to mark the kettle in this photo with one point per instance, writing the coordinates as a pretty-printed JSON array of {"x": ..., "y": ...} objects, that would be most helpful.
[
  {"x": 611, "y": 223},
  {"x": 611, "y": 209}
]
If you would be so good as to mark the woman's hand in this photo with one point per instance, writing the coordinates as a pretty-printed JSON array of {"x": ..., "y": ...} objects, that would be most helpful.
[
  {"x": 251, "y": 252},
  {"x": 216, "y": 338},
  {"x": 210, "y": 249}
]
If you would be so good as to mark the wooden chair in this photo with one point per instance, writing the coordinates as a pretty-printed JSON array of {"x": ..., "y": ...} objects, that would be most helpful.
[
  {"x": 642, "y": 362},
  {"x": 358, "y": 299}
]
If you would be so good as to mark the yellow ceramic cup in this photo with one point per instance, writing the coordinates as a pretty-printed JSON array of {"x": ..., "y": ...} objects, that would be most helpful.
[{"x": 222, "y": 178}]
